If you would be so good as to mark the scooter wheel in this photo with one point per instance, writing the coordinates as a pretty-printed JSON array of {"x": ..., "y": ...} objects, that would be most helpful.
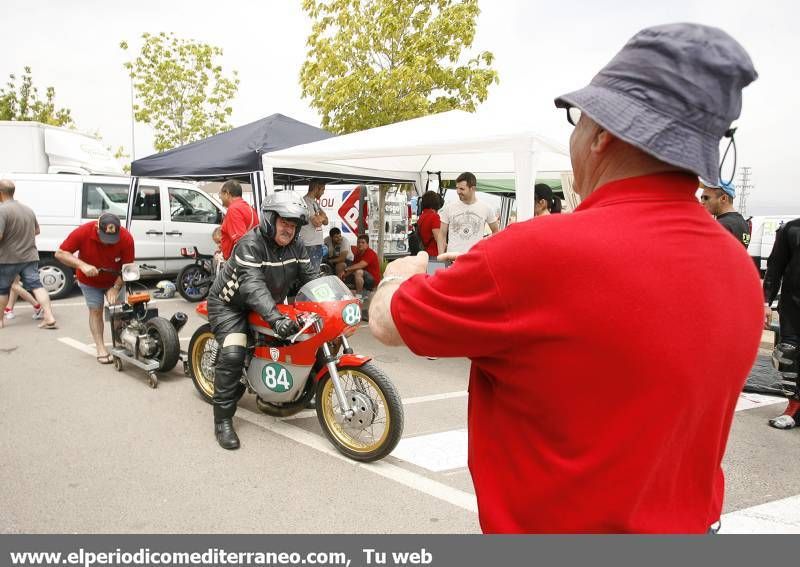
[
  {"x": 118, "y": 363},
  {"x": 152, "y": 380}
]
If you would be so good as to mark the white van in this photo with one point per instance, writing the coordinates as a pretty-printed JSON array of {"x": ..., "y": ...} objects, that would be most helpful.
[
  {"x": 762, "y": 237},
  {"x": 168, "y": 215}
]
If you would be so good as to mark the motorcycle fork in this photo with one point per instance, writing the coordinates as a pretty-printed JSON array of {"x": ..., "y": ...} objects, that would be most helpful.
[{"x": 333, "y": 372}]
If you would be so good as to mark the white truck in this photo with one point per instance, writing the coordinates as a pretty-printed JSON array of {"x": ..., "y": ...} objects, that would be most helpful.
[
  {"x": 32, "y": 147},
  {"x": 762, "y": 237},
  {"x": 167, "y": 216}
]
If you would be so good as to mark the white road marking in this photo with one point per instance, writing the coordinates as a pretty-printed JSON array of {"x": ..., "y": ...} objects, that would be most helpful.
[
  {"x": 56, "y": 304},
  {"x": 88, "y": 349},
  {"x": 436, "y": 452},
  {"x": 400, "y": 475},
  {"x": 776, "y": 517},
  {"x": 748, "y": 400},
  {"x": 408, "y": 401}
]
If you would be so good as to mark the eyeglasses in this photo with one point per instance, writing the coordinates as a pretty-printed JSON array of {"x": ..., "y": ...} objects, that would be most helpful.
[{"x": 573, "y": 115}]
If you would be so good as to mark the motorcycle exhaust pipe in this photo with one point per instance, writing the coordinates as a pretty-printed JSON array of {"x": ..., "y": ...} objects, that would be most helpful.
[{"x": 178, "y": 321}]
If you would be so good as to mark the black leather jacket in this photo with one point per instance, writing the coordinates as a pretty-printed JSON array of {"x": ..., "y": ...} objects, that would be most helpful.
[
  {"x": 783, "y": 265},
  {"x": 260, "y": 274}
]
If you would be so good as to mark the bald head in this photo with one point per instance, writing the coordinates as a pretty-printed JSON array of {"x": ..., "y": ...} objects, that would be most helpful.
[{"x": 6, "y": 189}]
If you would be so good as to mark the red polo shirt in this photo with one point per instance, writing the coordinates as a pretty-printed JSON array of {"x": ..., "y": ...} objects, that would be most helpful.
[
  {"x": 428, "y": 220},
  {"x": 371, "y": 258},
  {"x": 608, "y": 350},
  {"x": 86, "y": 243},
  {"x": 238, "y": 221}
]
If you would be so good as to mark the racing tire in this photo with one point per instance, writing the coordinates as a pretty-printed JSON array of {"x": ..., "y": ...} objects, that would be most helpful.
[
  {"x": 187, "y": 283},
  {"x": 201, "y": 361},
  {"x": 383, "y": 407},
  {"x": 169, "y": 348}
]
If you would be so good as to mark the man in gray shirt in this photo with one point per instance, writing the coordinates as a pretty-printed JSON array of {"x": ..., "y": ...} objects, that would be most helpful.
[{"x": 18, "y": 254}]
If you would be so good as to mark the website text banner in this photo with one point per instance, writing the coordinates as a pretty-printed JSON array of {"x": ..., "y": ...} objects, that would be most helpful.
[{"x": 391, "y": 550}]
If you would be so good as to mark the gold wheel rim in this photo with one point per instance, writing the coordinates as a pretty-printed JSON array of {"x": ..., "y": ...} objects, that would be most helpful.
[
  {"x": 355, "y": 380},
  {"x": 201, "y": 349}
]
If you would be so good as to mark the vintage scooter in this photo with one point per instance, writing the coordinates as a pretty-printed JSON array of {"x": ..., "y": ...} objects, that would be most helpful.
[
  {"x": 138, "y": 334},
  {"x": 357, "y": 405}
]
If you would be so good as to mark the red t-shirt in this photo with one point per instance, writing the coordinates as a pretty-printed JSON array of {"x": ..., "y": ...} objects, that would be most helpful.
[
  {"x": 371, "y": 258},
  {"x": 86, "y": 243},
  {"x": 238, "y": 221},
  {"x": 428, "y": 220},
  {"x": 608, "y": 350}
]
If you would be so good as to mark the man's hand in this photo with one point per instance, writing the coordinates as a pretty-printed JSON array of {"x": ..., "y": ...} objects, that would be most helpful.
[
  {"x": 89, "y": 271},
  {"x": 767, "y": 316},
  {"x": 449, "y": 256},
  {"x": 407, "y": 266},
  {"x": 112, "y": 294},
  {"x": 285, "y": 327}
]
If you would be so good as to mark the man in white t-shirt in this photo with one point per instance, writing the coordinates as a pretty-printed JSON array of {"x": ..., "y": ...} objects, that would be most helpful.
[
  {"x": 312, "y": 233},
  {"x": 463, "y": 221}
]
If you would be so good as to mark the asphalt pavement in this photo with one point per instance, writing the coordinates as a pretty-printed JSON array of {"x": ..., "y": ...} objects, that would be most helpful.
[{"x": 87, "y": 449}]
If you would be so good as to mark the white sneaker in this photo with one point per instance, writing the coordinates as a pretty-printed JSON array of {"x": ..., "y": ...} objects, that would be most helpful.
[
  {"x": 782, "y": 422},
  {"x": 9, "y": 315},
  {"x": 38, "y": 313}
]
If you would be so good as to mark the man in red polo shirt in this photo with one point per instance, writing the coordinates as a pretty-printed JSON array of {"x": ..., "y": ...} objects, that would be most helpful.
[
  {"x": 239, "y": 219},
  {"x": 100, "y": 244},
  {"x": 365, "y": 271},
  {"x": 607, "y": 357}
]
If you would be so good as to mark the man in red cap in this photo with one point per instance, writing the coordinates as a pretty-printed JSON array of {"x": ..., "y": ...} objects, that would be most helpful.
[{"x": 99, "y": 244}]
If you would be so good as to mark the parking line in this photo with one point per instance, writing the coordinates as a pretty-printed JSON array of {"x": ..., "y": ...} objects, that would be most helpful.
[
  {"x": 406, "y": 402},
  {"x": 56, "y": 304},
  {"x": 88, "y": 349},
  {"x": 420, "y": 483}
]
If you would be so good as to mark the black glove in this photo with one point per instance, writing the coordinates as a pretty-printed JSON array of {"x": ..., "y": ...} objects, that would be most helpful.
[{"x": 284, "y": 327}]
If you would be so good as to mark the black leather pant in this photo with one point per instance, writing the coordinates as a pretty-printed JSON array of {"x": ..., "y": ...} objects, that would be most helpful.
[{"x": 230, "y": 329}]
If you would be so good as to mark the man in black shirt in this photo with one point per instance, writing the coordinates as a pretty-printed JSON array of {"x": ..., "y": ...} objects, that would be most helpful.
[
  {"x": 783, "y": 273},
  {"x": 718, "y": 200}
]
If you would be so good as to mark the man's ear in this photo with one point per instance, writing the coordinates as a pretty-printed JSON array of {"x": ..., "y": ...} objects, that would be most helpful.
[{"x": 601, "y": 141}]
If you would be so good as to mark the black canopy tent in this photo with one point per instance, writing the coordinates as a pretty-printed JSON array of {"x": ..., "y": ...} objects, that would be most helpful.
[{"x": 235, "y": 154}]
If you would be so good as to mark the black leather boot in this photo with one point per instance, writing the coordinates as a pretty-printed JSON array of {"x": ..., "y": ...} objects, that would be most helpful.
[{"x": 226, "y": 436}]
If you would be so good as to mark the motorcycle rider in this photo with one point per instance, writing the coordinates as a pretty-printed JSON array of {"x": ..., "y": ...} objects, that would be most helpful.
[{"x": 263, "y": 266}]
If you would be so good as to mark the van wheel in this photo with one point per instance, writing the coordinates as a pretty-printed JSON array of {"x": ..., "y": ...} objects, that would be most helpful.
[{"x": 56, "y": 278}]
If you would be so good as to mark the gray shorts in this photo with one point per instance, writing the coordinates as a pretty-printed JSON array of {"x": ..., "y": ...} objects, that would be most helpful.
[{"x": 28, "y": 273}]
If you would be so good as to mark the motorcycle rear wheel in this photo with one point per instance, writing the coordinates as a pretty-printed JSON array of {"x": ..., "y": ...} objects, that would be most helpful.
[
  {"x": 193, "y": 283},
  {"x": 377, "y": 426},
  {"x": 201, "y": 361},
  {"x": 168, "y": 346}
]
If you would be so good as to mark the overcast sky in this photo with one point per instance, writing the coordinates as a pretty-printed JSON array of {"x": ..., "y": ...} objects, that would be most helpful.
[{"x": 543, "y": 49}]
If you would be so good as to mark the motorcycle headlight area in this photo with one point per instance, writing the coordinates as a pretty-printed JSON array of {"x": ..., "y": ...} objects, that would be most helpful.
[{"x": 130, "y": 272}]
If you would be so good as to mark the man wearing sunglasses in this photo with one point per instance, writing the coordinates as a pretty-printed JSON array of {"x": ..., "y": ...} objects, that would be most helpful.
[
  {"x": 718, "y": 200},
  {"x": 606, "y": 409}
]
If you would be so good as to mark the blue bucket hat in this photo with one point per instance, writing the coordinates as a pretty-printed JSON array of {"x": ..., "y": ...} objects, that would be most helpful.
[{"x": 672, "y": 91}]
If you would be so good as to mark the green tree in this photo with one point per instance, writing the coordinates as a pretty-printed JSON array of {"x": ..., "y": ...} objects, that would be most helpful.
[
  {"x": 182, "y": 93},
  {"x": 375, "y": 62},
  {"x": 21, "y": 102}
]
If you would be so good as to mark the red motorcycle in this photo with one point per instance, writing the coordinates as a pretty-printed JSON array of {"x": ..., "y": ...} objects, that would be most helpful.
[{"x": 357, "y": 405}]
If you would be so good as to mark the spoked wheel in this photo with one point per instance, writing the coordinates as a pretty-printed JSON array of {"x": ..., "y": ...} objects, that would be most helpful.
[
  {"x": 168, "y": 348},
  {"x": 202, "y": 360},
  {"x": 377, "y": 424},
  {"x": 193, "y": 283}
]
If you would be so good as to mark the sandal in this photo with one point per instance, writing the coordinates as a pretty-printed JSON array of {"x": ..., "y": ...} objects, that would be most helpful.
[
  {"x": 105, "y": 359},
  {"x": 49, "y": 326}
]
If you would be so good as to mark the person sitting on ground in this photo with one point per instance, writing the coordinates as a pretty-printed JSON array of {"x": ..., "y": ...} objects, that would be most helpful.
[
  {"x": 101, "y": 244},
  {"x": 545, "y": 201},
  {"x": 339, "y": 253},
  {"x": 365, "y": 271},
  {"x": 718, "y": 198},
  {"x": 18, "y": 291}
]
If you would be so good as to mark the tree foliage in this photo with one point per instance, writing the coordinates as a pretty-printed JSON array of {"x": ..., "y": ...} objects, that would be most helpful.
[
  {"x": 375, "y": 62},
  {"x": 21, "y": 102},
  {"x": 181, "y": 92}
]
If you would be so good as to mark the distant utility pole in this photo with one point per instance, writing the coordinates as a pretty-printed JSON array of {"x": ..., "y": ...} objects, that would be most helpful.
[{"x": 744, "y": 188}]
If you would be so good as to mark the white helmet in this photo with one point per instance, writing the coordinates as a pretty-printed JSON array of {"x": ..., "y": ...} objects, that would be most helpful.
[{"x": 165, "y": 289}]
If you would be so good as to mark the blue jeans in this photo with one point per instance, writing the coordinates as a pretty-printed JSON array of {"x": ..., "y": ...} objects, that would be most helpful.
[
  {"x": 28, "y": 273},
  {"x": 315, "y": 255}
]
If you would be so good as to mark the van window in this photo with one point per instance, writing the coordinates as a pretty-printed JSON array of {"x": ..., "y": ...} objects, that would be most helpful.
[
  {"x": 99, "y": 198},
  {"x": 187, "y": 205}
]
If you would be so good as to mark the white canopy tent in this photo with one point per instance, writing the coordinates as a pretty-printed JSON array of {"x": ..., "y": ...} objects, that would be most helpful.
[{"x": 450, "y": 143}]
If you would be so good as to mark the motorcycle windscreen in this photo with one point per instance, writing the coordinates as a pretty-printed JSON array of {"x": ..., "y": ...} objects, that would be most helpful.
[{"x": 328, "y": 288}]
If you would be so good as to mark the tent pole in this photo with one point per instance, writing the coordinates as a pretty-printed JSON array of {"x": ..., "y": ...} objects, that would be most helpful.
[
  {"x": 133, "y": 191},
  {"x": 525, "y": 165}
]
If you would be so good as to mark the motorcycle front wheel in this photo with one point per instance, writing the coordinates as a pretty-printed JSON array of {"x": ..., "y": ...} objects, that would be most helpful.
[
  {"x": 202, "y": 360},
  {"x": 377, "y": 425},
  {"x": 193, "y": 283}
]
